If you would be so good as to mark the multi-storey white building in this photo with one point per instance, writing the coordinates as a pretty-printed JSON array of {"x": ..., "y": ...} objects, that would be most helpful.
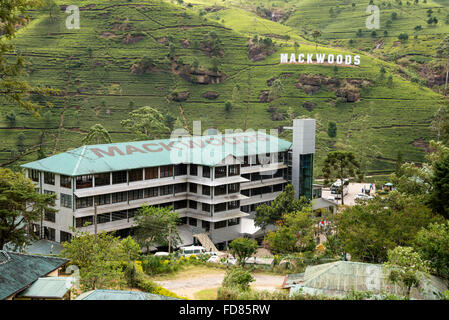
[{"x": 214, "y": 182}]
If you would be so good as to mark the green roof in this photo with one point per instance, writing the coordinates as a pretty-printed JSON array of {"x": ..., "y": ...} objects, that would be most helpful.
[
  {"x": 202, "y": 150},
  {"x": 50, "y": 287},
  {"x": 18, "y": 271},
  {"x": 102, "y": 294}
]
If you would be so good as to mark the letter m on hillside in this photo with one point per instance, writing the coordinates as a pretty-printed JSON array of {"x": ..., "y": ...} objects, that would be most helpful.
[
  {"x": 284, "y": 57},
  {"x": 111, "y": 152}
]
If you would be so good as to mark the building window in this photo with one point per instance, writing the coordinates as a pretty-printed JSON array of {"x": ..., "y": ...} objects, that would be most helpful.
[
  {"x": 135, "y": 194},
  {"x": 245, "y": 161},
  {"x": 233, "y": 205},
  {"x": 119, "y": 197},
  {"x": 104, "y": 218},
  {"x": 205, "y": 225},
  {"x": 220, "y": 172},
  {"x": 182, "y": 204},
  {"x": 102, "y": 179},
  {"x": 206, "y": 172},
  {"x": 49, "y": 178},
  {"x": 220, "y": 207},
  {"x": 193, "y": 170},
  {"x": 84, "y": 202},
  {"x": 132, "y": 213},
  {"x": 81, "y": 222},
  {"x": 166, "y": 190},
  {"x": 48, "y": 192},
  {"x": 193, "y": 222},
  {"x": 33, "y": 175},
  {"x": 234, "y": 170},
  {"x": 206, "y": 190},
  {"x": 65, "y": 181},
  {"x": 245, "y": 192},
  {"x": 66, "y": 200},
  {"x": 119, "y": 177},
  {"x": 151, "y": 192},
  {"x": 119, "y": 215},
  {"x": 193, "y": 204},
  {"x": 183, "y": 220},
  {"x": 277, "y": 187},
  {"x": 180, "y": 170},
  {"x": 151, "y": 173},
  {"x": 220, "y": 224},
  {"x": 84, "y": 181},
  {"x": 245, "y": 209},
  {"x": 166, "y": 171},
  {"x": 206, "y": 207},
  {"x": 220, "y": 190},
  {"x": 193, "y": 187},
  {"x": 103, "y": 199},
  {"x": 233, "y": 222},
  {"x": 234, "y": 188},
  {"x": 278, "y": 173},
  {"x": 49, "y": 233},
  {"x": 65, "y": 237},
  {"x": 50, "y": 216},
  {"x": 135, "y": 175},
  {"x": 181, "y": 187}
]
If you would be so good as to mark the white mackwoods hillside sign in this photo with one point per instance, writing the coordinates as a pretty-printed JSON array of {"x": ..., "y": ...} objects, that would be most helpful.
[{"x": 320, "y": 58}]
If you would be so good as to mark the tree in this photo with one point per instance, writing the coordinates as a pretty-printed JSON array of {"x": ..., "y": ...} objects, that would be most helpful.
[
  {"x": 20, "y": 206},
  {"x": 283, "y": 204},
  {"x": 316, "y": 34},
  {"x": 156, "y": 227},
  {"x": 99, "y": 260},
  {"x": 228, "y": 106},
  {"x": 406, "y": 268},
  {"x": 243, "y": 248},
  {"x": 237, "y": 278},
  {"x": 440, "y": 191},
  {"x": 146, "y": 123},
  {"x": 51, "y": 8},
  {"x": 296, "y": 46},
  {"x": 13, "y": 88},
  {"x": 276, "y": 89},
  {"x": 399, "y": 163},
  {"x": 295, "y": 232},
  {"x": 385, "y": 223},
  {"x": 340, "y": 165},
  {"x": 97, "y": 134},
  {"x": 433, "y": 245},
  {"x": 332, "y": 129},
  {"x": 443, "y": 53},
  {"x": 440, "y": 122}
]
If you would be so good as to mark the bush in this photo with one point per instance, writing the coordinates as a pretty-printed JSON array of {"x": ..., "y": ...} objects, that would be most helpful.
[{"x": 237, "y": 278}]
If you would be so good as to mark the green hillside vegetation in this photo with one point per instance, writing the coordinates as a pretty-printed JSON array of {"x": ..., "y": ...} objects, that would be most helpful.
[{"x": 186, "y": 56}]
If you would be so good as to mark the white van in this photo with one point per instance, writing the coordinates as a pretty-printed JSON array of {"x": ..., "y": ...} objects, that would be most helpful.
[
  {"x": 188, "y": 251},
  {"x": 336, "y": 189}
]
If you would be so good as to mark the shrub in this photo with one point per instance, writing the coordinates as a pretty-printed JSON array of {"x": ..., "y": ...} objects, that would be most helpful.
[{"x": 237, "y": 278}]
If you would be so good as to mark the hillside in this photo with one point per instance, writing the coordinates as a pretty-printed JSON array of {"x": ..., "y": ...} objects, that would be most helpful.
[{"x": 117, "y": 61}]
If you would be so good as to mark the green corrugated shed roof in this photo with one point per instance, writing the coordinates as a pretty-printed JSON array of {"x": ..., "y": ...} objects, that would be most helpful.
[
  {"x": 340, "y": 277},
  {"x": 102, "y": 294},
  {"x": 50, "y": 287},
  {"x": 202, "y": 150},
  {"x": 18, "y": 271}
]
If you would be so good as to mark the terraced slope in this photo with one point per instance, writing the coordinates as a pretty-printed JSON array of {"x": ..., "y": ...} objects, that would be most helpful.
[{"x": 118, "y": 61}]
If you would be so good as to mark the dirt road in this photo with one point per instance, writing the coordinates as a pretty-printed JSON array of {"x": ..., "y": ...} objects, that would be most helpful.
[{"x": 187, "y": 287}]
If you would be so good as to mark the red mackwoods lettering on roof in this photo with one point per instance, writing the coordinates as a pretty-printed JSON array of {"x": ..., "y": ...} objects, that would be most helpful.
[{"x": 183, "y": 144}]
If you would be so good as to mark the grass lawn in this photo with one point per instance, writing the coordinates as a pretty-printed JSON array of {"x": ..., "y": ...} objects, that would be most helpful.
[{"x": 206, "y": 294}]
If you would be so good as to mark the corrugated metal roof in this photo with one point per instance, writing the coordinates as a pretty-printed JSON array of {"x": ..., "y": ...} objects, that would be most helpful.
[
  {"x": 339, "y": 278},
  {"x": 50, "y": 287},
  {"x": 202, "y": 150},
  {"x": 102, "y": 294},
  {"x": 18, "y": 271}
]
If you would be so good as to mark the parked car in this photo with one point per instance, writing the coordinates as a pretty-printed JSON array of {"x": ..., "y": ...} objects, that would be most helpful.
[
  {"x": 161, "y": 253},
  {"x": 214, "y": 259},
  {"x": 362, "y": 197}
]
